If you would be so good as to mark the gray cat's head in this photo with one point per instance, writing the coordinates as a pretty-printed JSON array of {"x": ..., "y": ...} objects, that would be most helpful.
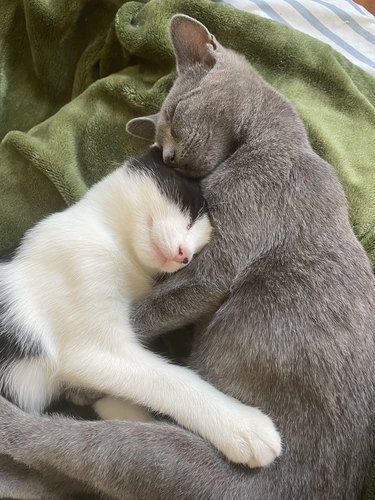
[{"x": 199, "y": 123}]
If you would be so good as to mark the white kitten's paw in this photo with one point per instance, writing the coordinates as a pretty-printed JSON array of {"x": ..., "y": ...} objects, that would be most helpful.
[
  {"x": 110, "y": 408},
  {"x": 251, "y": 438}
]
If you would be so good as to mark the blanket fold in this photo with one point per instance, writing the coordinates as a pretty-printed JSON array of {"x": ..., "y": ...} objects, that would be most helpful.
[{"x": 73, "y": 73}]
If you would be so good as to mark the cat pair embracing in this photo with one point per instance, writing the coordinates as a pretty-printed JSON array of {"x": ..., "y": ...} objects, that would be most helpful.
[
  {"x": 66, "y": 295},
  {"x": 283, "y": 294}
]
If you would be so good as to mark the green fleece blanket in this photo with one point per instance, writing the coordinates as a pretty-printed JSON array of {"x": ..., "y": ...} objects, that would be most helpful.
[{"x": 73, "y": 73}]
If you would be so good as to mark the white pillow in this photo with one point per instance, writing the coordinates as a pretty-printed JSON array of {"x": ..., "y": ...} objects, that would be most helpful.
[{"x": 347, "y": 27}]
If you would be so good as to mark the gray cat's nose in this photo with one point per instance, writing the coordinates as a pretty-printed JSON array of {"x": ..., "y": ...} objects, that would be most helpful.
[{"x": 169, "y": 156}]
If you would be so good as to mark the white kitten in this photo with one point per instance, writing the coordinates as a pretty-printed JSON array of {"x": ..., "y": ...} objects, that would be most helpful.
[{"x": 65, "y": 301}]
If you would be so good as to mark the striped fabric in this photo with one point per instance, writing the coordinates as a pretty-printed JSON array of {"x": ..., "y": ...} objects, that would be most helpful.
[{"x": 347, "y": 27}]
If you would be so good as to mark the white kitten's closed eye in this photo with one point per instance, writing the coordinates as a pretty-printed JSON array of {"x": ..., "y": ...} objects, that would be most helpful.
[{"x": 174, "y": 243}]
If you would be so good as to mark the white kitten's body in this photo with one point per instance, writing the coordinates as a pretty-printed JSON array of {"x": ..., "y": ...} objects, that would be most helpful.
[
  {"x": 68, "y": 293},
  {"x": 73, "y": 281}
]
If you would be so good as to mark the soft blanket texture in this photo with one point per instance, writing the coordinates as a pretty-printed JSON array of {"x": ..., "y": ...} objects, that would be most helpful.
[{"x": 73, "y": 73}]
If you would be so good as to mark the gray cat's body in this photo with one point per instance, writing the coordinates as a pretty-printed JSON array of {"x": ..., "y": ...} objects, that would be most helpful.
[{"x": 287, "y": 293}]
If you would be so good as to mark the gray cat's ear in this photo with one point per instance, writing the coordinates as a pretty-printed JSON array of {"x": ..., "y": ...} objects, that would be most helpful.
[
  {"x": 192, "y": 42},
  {"x": 143, "y": 127}
]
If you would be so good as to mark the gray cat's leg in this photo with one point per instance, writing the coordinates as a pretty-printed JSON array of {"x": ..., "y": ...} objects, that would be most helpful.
[
  {"x": 197, "y": 291},
  {"x": 18, "y": 481},
  {"x": 124, "y": 460},
  {"x": 184, "y": 298}
]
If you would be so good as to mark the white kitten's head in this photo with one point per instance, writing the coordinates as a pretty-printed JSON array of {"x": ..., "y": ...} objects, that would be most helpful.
[
  {"x": 168, "y": 242},
  {"x": 172, "y": 224}
]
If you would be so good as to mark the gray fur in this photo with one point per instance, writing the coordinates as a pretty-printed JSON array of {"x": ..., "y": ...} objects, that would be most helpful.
[{"x": 287, "y": 293}]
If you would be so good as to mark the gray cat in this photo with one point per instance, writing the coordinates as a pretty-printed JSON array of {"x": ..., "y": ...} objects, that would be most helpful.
[{"x": 284, "y": 295}]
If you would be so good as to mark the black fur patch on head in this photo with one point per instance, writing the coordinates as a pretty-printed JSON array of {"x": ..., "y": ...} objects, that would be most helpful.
[
  {"x": 181, "y": 190},
  {"x": 13, "y": 346},
  {"x": 7, "y": 254}
]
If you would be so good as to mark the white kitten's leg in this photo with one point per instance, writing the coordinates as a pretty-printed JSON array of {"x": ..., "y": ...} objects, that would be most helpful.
[
  {"x": 243, "y": 434},
  {"x": 110, "y": 408}
]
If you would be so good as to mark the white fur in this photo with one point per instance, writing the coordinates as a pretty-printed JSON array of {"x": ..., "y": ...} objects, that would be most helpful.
[
  {"x": 70, "y": 287},
  {"x": 109, "y": 408}
]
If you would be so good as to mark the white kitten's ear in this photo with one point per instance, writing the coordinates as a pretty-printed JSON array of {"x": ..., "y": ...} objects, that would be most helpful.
[
  {"x": 143, "y": 127},
  {"x": 192, "y": 42}
]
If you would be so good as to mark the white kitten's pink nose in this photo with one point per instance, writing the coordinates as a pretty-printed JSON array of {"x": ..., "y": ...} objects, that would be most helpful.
[{"x": 183, "y": 255}]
